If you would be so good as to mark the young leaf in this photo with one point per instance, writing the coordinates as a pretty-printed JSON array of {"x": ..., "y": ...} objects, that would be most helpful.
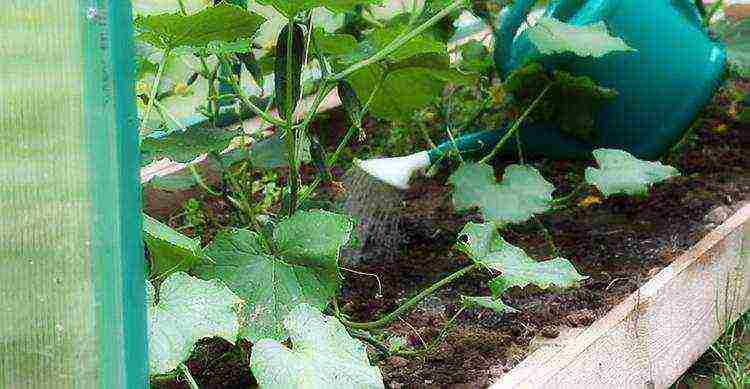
[
  {"x": 188, "y": 309},
  {"x": 224, "y": 22},
  {"x": 305, "y": 269},
  {"x": 284, "y": 104},
  {"x": 551, "y": 36},
  {"x": 621, "y": 173},
  {"x": 323, "y": 355},
  {"x": 170, "y": 251},
  {"x": 522, "y": 193},
  {"x": 492, "y": 303},
  {"x": 483, "y": 244}
]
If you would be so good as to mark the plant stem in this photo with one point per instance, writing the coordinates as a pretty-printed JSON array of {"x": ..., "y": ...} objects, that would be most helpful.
[
  {"x": 399, "y": 41},
  {"x": 715, "y": 8},
  {"x": 562, "y": 201},
  {"x": 365, "y": 336},
  {"x": 407, "y": 306},
  {"x": 547, "y": 236},
  {"x": 183, "y": 9},
  {"x": 291, "y": 136},
  {"x": 189, "y": 377},
  {"x": 199, "y": 179},
  {"x": 245, "y": 99},
  {"x": 155, "y": 86},
  {"x": 515, "y": 127},
  {"x": 443, "y": 334},
  {"x": 169, "y": 116},
  {"x": 323, "y": 92}
]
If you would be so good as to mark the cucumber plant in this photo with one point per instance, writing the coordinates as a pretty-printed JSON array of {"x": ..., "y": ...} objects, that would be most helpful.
[{"x": 279, "y": 275}]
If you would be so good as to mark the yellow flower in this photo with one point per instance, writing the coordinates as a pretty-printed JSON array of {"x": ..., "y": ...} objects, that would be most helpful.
[
  {"x": 181, "y": 89},
  {"x": 589, "y": 201}
]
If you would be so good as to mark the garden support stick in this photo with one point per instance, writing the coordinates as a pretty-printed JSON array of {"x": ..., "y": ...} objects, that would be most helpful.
[{"x": 407, "y": 306}]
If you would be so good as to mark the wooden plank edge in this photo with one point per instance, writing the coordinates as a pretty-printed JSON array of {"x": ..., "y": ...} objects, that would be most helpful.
[{"x": 659, "y": 331}]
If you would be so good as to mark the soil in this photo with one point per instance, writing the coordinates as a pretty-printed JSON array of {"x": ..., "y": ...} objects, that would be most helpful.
[{"x": 618, "y": 242}]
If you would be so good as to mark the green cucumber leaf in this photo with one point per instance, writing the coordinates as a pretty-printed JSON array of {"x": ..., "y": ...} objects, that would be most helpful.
[
  {"x": 303, "y": 270},
  {"x": 313, "y": 239},
  {"x": 621, "y": 173},
  {"x": 270, "y": 153},
  {"x": 188, "y": 310},
  {"x": 225, "y": 22},
  {"x": 403, "y": 91},
  {"x": 484, "y": 245},
  {"x": 475, "y": 57},
  {"x": 551, "y": 36},
  {"x": 488, "y": 302},
  {"x": 185, "y": 146},
  {"x": 380, "y": 38},
  {"x": 170, "y": 251},
  {"x": 323, "y": 355},
  {"x": 522, "y": 193}
]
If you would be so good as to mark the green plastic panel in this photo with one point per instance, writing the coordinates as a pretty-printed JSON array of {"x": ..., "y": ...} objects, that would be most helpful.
[{"x": 72, "y": 306}]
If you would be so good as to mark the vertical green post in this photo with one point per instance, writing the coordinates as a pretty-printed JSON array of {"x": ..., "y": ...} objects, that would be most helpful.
[{"x": 72, "y": 303}]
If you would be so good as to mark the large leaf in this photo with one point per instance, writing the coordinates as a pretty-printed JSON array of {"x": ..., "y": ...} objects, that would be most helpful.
[
  {"x": 621, "y": 173},
  {"x": 188, "y": 309},
  {"x": 484, "y": 245},
  {"x": 380, "y": 38},
  {"x": 169, "y": 250},
  {"x": 273, "y": 284},
  {"x": 323, "y": 355},
  {"x": 184, "y": 146},
  {"x": 293, "y": 7},
  {"x": 551, "y": 36},
  {"x": 224, "y": 22},
  {"x": 736, "y": 36},
  {"x": 522, "y": 193},
  {"x": 403, "y": 91},
  {"x": 312, "y": 239}
]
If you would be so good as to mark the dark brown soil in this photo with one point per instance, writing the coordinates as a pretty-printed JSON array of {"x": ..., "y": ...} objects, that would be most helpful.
[{"x": 618, "y": 242}]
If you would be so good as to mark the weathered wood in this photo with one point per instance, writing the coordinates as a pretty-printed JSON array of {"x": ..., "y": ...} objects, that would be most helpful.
[{"x": 659, "y": 331}]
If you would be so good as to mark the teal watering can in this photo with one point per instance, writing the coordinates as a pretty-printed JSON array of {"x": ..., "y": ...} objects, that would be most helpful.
[{"x": 661, "y": 86}]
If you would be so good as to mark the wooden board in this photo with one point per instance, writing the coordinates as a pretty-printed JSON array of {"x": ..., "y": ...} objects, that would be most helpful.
[{"x": 652, "y": 337}]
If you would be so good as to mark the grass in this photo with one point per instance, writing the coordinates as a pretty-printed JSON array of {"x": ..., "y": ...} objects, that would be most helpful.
[{"x": 726, "y": 364}]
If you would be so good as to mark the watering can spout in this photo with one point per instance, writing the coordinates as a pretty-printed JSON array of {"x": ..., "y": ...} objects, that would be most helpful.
[{"x": 396, "y": 171}]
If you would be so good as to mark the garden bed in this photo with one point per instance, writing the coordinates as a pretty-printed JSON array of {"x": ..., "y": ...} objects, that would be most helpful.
[{"x": 619, "y": 243}]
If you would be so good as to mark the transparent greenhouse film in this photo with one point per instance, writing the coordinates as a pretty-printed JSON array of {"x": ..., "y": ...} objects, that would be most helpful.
[{"x": 67, "y": 158}]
